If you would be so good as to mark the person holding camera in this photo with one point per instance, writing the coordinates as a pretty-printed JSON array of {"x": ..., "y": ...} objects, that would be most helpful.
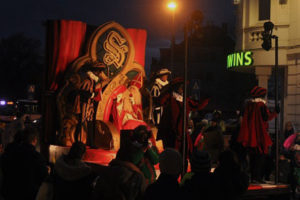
[
  {"x": 145, "y": 138},
  {"x": 128, "y": 174}
]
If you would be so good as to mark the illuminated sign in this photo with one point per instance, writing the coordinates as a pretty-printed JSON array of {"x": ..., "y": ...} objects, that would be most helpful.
[{"x": 239, "y": 59}]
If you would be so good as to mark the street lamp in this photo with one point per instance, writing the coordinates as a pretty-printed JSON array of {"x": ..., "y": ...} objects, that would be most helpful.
[{"x": 172, "y": 6}]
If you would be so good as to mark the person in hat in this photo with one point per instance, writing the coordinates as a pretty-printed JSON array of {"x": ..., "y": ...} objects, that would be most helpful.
[
  {"x": 160, "y": 83},
  {"x": 199, "y": 182},
  {"x": 170, "y": 130},
  {"x": 166, "y": 186},
  {"x": 145, "y": 139},
  {"x": 213, "y": 140},
  {"x": 217, "y": 114},
  {"x": 254, "y": 131}
]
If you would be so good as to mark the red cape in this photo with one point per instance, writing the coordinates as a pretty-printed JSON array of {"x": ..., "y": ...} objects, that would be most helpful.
[{"x": 254, "y": 130}]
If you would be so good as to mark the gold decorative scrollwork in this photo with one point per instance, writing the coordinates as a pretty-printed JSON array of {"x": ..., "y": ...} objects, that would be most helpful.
[{"x": 115, "y": 49}]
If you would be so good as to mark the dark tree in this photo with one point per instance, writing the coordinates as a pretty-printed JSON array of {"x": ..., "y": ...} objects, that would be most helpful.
[{"x": 20, "y": 65}]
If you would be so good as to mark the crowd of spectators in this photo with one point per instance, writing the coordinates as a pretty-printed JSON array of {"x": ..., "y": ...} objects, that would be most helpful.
[{"x": 216, "y": 171}]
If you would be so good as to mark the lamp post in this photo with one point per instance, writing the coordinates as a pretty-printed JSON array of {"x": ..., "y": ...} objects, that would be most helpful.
[
  {"x": 172, "y": 6},
  {"x": 186, "y": 53},
  {"x": 267, "y": 45}
]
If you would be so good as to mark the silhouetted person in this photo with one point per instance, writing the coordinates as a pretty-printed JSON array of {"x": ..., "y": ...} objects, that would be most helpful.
[
  {"x": 72, "y": 177},
  {"x": 199, "y": 183},
  {"x": 150, "y": 153},
  {"x": 13, "y": 128},
  {"x": 230, "y": 181},
  {"x": 289, "y": 129},
  {"x": 213, "y": 140},
  {"x": 166, "y": 187},
  {"x": 123, "y": 179},
  {"x": 170, "y": 129},
  {"x": 23, "y": 167}
]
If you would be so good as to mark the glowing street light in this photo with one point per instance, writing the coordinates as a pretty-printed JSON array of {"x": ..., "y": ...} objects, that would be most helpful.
[{"x": 172, "y": 5}]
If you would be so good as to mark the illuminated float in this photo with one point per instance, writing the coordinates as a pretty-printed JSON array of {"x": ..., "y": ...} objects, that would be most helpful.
[{"x": 99, "y": 94}]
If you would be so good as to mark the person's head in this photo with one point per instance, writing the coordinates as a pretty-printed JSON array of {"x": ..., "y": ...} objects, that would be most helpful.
[
  {"x": 94, "y": 67},
  {"x": 191, "y": 123},
  {"x": 170, "y": 162},
  {"x": 27, "y": 119},
  {"x": 177, "y": 85},
  {"x": 164, "y": 77},
  {"x": 163, "y": 74},
  {"x": 289, "y": 126},
  {"x": 77, "y": 150},
  {"x": 180, "y": 89},
  {"x": 29, "y": 136},
  {"x": 217, "y": 114},
  {"x": 200, "y": 162},
  {"x": 204, "y": 122},
  {"x": 258, "y": 92},
  {"x": 141, "y": 136},
  {"x": 228, "y": 159},
  {"x": 214, "y": 121}
]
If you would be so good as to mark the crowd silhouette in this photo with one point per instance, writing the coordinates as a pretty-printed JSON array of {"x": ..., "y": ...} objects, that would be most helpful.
[{"x": 216, "y": 171}]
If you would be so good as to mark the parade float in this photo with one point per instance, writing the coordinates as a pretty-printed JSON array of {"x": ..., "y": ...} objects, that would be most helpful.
[{"x": 93, "y": 88}]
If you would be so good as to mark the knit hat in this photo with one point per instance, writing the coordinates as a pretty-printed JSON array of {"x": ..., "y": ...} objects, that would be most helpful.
[
  {"x": 200, "y": 161},
  {"x": 170, "y": 162},
  {"x": 258, "y": 91},
  {"x": 163, "y": 71}
]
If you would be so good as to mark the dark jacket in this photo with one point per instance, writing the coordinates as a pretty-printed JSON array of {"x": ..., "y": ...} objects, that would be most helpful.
[
  {"x": 166, "y": 187},
  {"x": 231, "y": 183},
  {"x": 24, "y": 169},
  {"x": 201, "y": 185},
  {"x": 121, "y": 180},
  {"x": 72, "y": 179},
  {"x": 213, "y": 142}
]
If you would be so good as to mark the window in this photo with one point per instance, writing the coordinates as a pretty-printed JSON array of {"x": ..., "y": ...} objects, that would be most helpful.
[
  {"x": 282, "y": 2},
  {"x": 264, "y": 9}
]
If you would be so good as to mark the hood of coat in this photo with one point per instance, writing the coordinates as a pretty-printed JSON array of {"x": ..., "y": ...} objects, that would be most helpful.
[{"x": 71, "y": 170}]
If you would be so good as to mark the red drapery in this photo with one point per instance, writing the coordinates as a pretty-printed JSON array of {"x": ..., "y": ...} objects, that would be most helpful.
[
  {"x": 64, "y": 42},
  {"x": 139, "y": 37}
]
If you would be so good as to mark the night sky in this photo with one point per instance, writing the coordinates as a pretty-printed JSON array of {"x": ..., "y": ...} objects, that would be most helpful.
[{"x": 27, "y": 16}]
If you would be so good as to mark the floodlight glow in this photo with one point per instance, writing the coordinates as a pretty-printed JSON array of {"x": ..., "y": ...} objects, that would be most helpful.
[
  {"x": 172, "y": 5},
  {"x": 2, "y": 103}
]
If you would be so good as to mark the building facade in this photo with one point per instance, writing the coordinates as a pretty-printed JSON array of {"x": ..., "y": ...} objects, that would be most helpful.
[{"x": 285, "y": 14}]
